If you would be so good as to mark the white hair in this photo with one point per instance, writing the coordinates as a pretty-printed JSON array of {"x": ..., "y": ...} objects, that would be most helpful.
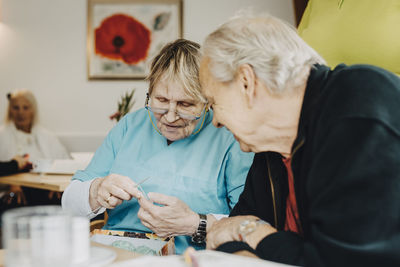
[
  {"x": 179, "y": 61},
  {"x": 271, "y": 46},
  {"x": 28, "y": 95}
]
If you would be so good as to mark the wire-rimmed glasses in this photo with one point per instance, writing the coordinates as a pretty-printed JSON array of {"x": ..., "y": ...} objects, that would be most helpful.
[{"x": 162, "y": 111}]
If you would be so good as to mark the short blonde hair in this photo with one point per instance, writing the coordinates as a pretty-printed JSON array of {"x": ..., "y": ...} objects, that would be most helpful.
[
  {"x": 28, "y": 95},
  {"x": 178, "y": 61},
  {"x": 271, "y": 46}
]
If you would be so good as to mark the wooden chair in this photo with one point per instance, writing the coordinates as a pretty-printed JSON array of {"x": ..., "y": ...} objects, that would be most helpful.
[{"x": 98, "y": 224}]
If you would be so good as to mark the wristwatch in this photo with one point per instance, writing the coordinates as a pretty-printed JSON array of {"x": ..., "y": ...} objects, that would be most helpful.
[
  {"x": 246, "y": 227},
  {"x": 199, "y": 237}
]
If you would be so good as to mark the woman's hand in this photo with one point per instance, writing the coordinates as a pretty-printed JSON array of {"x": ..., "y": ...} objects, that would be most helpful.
[
  {"x": 23, "y": 162},
  {"x": 173, "y": 218},
  {"x": 111, "y": 190},
  {"x": 227, "y": 229}
]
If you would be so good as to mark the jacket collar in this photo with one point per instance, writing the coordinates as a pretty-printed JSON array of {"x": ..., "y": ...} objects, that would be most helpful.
[{"x": 316, "y": 79}]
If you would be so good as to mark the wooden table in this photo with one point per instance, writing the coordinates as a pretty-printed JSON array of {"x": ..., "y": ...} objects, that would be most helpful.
[
  {"x": 53, "y": 182},
  {"x": 122, "y": 255}
]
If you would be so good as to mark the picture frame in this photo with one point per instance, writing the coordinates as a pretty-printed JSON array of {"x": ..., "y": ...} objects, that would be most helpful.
[{"x": 124, "y": 35}]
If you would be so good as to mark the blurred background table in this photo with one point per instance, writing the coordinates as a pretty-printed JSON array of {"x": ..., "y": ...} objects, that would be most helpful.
[{"x": 53, "y": 182}]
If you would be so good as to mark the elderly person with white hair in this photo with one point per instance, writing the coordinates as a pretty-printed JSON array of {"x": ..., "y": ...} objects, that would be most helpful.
[
  {"x": 21, "y": 134},
  {"x": 195, "y": 171},
  {"x": 324, "y": 187},
  {"x": 23, "y": 139}
]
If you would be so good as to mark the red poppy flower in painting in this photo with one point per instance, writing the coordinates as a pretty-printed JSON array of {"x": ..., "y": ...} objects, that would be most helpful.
[{"x": 123, "y": 38}]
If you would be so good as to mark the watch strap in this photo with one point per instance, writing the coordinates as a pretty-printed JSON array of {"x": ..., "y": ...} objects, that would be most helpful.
[{"x": 199, "y": 236}]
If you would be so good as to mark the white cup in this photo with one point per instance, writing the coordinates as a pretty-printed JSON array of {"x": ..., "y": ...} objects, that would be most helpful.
[
  {"x": 80, "y": 241},
  {"x": 37, "y": 236}
]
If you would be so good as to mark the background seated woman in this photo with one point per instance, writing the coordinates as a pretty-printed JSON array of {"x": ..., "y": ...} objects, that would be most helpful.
[{"x": 21, "y": 135}]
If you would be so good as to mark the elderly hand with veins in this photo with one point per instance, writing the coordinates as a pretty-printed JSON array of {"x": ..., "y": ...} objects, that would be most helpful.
[
  {"x": 173, "y": 218},
  {"x": 111, "y": 190},
  {"x": 227, "y": 229}
]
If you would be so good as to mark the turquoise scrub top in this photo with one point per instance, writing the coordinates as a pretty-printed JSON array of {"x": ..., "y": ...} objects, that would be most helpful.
[{"x": 207, "y": 170}]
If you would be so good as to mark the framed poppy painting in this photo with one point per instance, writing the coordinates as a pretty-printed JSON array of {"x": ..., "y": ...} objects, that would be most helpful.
[{"x": 124, "y": 35}]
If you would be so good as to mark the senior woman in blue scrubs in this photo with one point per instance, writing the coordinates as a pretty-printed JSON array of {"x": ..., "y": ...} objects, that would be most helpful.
[{"x": 195, "y": 172}]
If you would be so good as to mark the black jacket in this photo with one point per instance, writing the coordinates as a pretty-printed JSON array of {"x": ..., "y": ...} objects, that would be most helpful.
[
  {"x": 346, "y": 167},
  {"x": 8, "y": 167}
]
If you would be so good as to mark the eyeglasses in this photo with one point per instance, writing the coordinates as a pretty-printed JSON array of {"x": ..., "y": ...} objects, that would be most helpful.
[
  {"x": 164, "y": 111},
  {"x": 182, "y": 114}
]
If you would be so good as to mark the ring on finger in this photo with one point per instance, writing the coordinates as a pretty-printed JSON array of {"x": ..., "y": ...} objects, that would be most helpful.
[{"x": 108, "y": 199}]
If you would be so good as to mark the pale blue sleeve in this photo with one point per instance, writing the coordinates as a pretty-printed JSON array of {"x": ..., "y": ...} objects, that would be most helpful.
[
  {"x": 104, "y": 157},
  {"x": 236, "y": 169}
]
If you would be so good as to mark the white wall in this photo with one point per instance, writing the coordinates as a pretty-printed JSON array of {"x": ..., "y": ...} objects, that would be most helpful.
[{"x": 43, "y": 48}]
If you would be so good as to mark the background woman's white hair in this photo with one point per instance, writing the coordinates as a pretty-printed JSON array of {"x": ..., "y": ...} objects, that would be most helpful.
[
  {"x": 28, "y": 95},
  {"x": 271, "y": 46}
]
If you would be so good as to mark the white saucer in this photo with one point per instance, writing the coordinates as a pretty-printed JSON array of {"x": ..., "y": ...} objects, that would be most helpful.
[{"x": 99, "y": 257}]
